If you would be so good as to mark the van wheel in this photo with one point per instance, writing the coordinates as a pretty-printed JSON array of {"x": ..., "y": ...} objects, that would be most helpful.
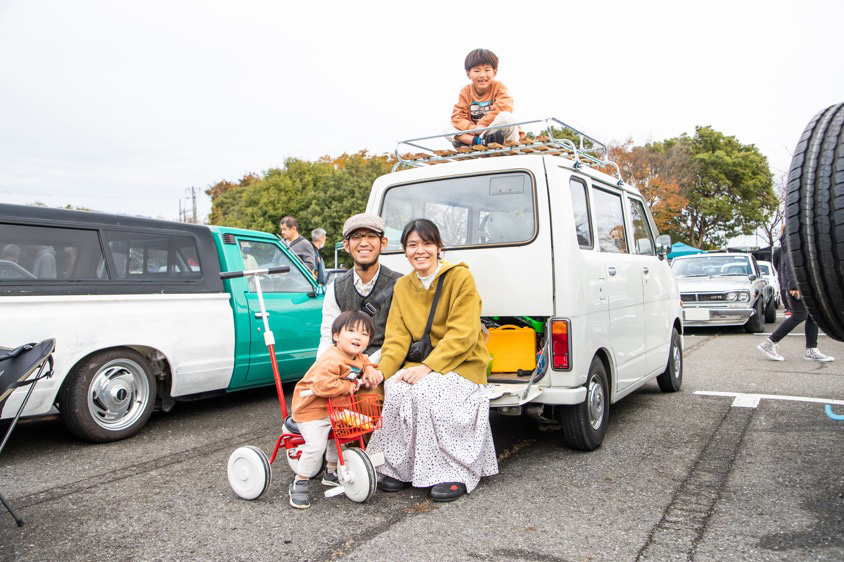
[
  {"x": 756, "y": 323},
  {"x": 108, "y": 396},
  {"x": 585, "y": 425},
  {"x": 815, "y": 219},
  {"x": 771, "y": 311},
  {"x": 672, "y": 378}
]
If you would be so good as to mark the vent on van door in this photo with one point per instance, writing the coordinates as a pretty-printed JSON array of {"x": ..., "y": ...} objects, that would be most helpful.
[{"x": 228, "y": 238}]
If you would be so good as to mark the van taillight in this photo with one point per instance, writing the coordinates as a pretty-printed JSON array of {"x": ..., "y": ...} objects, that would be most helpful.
[{"x": 560, "y": 344}]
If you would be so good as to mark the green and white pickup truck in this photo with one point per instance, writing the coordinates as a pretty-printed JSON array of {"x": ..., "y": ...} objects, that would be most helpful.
[{"x": 140, "y": 315}]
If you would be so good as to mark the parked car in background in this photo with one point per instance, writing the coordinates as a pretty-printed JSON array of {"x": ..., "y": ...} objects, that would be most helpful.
[
  {"x": 332, "y": 274},
  {"x": 140, "y": 315},
  {"x": 724, "y": 289},
  {"x": 770, "y": 274}
]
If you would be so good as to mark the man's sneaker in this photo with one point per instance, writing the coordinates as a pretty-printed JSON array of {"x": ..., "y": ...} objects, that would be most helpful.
[
  {"x": 329, "y": 478},
  {"x": 771, "y": 350},
  {"x": 814, "y": 354},
  {"x": 299, "y": 497}
]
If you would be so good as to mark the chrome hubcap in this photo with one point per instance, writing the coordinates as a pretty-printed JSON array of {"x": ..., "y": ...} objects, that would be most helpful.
[
  {"x": 677, "y": 357},
  {"x": 595, "y": 399},
  {"x": 118, "y": 395}
]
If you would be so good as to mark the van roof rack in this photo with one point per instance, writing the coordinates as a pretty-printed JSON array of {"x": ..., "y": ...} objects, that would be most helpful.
[{"x": 595, "y": 156}]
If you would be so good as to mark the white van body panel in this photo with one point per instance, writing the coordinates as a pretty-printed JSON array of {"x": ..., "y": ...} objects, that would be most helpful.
[{"x": 164, "y": 322}]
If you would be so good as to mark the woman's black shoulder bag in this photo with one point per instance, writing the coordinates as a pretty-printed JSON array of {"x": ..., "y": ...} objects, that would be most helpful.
[{"x": 419, "y": 350}]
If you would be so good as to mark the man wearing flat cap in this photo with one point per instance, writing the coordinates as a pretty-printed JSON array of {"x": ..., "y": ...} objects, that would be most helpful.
[{"x": 368, "y": 286}]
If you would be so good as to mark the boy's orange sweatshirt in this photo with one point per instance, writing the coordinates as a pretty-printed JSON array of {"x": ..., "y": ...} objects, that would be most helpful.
[
  {"x": 497, "y": 94},
  {"x": 327, "y": 379}
]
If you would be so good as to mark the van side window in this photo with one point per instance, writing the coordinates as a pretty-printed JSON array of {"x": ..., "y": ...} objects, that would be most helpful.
[
  {"x": 489, "y": 209},
  {"x": 643, "y": 239},
  {"x": 580, "y": 207},
  {"x": 609, "y": 218},
  {"x": 144, "y": 256},
  {"x": 267, "y": 254},
  {"x": 35, "y": 253}
]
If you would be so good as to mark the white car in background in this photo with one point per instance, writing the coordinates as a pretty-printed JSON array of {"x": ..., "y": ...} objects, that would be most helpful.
[{"x": 768, "y": 271}]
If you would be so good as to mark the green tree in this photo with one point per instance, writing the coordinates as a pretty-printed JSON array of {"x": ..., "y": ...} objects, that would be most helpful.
[{"x": 728, "y": 186}]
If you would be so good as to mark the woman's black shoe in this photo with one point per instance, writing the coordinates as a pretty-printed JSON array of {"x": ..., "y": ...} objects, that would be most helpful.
[
  {"x": 389, "y": 484},
  {"x": 448, "y": 491}
]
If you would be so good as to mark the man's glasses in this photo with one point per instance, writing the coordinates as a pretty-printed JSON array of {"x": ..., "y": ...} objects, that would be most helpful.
[{"x": 369, "y": 236}]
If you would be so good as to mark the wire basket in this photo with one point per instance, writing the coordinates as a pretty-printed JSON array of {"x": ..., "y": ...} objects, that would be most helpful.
[{"x": 356, "y": 415}]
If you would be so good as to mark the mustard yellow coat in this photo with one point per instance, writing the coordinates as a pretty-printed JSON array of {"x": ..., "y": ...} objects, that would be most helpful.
[{"x": 456, "y": 333}]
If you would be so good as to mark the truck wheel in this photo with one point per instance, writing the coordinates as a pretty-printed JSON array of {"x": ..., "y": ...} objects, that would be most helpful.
[
  {"x": 672, "y": 378},
  {"x": 771, "y": 311},
  {"x": 815, "y": 218},
  {"x": 108, "y": 396},
  {"x": 585, "y": 425},
  {"x": 756, "y": 323}
]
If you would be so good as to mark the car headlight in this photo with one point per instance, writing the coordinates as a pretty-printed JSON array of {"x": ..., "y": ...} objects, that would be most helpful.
[
  {"x": 731, "y": 297},
  {"x": 744, "y": 296}
]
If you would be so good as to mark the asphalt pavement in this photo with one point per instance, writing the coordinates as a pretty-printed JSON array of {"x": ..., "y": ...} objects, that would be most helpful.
[{"x": 737, "y": 465}]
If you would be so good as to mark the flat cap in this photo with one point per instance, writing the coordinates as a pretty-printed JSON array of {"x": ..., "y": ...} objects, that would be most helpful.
[{"x": 363, "y": 220}]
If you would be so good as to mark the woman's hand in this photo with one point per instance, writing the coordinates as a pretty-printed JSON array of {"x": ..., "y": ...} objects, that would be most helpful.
[
  {"x": 372, "y": 377},
  {"x": 414, "y": 374}
]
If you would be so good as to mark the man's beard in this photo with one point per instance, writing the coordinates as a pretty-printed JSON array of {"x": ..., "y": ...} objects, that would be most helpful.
[{"x": 366, "y": 266}]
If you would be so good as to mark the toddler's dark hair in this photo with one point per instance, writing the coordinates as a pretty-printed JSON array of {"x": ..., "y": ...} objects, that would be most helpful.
[
  {"x": 352, "y": 319},
  {"x": 480, "y": 57}
]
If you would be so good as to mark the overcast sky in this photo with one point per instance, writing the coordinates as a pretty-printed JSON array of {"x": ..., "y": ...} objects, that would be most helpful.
[{"x": 122, "y": 106}]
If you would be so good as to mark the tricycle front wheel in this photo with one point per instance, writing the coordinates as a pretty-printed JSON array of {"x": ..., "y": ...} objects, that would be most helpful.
[{"x": 357, "y": 477}]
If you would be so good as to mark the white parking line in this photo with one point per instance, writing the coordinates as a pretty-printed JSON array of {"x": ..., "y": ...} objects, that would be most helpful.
[{"x": 749, "y": 400}]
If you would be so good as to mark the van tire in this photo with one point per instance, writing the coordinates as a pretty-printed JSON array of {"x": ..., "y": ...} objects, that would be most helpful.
[
  {"x": 672, "y": 378},
  {"x": 584, "y": 425},
  {"x": 771, "y": 311},
  {"x": 815, "y": 218},
  {"x": 756, "y": 323},
  {"x": 108, "y": 396}
]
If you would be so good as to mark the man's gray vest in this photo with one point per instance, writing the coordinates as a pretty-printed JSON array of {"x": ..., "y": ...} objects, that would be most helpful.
[{"x": 348, "y": 298}]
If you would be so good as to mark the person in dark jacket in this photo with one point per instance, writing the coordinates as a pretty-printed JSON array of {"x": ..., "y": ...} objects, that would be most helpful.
[
  {"x": 799, "y": 313},
  {"x": 301, "y": 247}
]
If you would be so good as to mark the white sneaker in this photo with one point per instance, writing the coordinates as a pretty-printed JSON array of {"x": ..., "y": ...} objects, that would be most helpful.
[
  {"x": 771, "y": 350},
  {"x": 814, "y": 354}
]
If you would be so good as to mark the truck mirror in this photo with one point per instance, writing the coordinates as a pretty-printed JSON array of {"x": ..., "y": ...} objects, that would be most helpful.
[{"x": 663, "y": 245}]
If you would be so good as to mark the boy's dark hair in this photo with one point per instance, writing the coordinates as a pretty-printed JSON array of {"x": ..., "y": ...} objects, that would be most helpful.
[
  {"x": 426, "y": 230},
  {"x": 480, "y": 57},
  {"x": 351, "y": 319}
]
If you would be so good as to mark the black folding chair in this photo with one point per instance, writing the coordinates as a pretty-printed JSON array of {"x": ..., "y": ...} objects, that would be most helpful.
[{"x": 16, "y": 366}]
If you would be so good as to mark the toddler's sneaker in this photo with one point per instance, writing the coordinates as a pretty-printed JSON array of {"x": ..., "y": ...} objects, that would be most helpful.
[
  {"x": 771, "y": 350},
  {"x": 494, "y": 136},
  {"x": 299, "y": 497},
  {"x": 814, "y": 354},
  {"x": 329, "y": 478}
]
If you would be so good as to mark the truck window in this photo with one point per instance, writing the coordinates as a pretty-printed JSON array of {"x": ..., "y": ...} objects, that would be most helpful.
[
  {"x": 40, "y": 253},
  {"x": 580, "y": 207},
  {"x": 643, "y": 239},
  {"x": 609, "y": 218},
  {"x": 142, "y": 256},
  {"x": 490, "y": 209},
  {"x": 268, "y": 254}
]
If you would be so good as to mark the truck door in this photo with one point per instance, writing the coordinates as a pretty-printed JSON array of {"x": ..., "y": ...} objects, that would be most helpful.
[
  {"x": 624, "y": 288},
  {"x": 295, "y": 313},
  {"x": 656, "y": 279}
]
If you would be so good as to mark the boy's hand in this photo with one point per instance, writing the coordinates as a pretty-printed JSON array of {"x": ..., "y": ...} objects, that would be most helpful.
[{"x": 372, "y": 377}]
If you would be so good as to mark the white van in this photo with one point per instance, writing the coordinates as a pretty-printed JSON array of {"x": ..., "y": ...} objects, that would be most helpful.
[{"x": 556, "y": 246}]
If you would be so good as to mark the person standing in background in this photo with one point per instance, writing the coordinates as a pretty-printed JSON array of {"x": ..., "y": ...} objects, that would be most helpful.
[
  {"x": 301, "y": 247},
  {"x": 318, "y": 240}
]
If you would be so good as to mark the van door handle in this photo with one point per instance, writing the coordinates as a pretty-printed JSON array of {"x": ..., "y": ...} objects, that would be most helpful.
[
  {"x": 645, "y": 269},
  {"x": 258, "y": 315},
  {"x": 611, "y": 270}
]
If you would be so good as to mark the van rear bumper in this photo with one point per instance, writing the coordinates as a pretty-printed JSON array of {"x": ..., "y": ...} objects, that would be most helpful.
[{"x": 562, "y": 396}]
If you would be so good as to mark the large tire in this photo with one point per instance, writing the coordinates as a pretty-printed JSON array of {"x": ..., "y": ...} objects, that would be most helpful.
[
  {"x": 771, "y": 311},
  {"x": 815, "y": 218},
  {"x": 756, "y": 323},
  {"x": 672, "y": 378},
  {"x": 108, "y": 396},
  {"x": 585, "y": 425}
]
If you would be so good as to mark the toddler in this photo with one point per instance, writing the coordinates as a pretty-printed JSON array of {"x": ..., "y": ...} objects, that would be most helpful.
[{"x": 335, "y": 373}]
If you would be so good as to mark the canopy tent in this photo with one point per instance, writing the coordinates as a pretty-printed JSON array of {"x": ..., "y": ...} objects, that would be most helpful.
[{"x": 680, "y": 249}]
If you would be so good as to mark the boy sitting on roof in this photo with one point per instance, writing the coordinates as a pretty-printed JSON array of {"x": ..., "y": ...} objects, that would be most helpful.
[{"x": 483, "y": 103}]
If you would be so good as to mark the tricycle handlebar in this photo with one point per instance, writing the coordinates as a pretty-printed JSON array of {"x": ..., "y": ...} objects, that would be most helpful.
[{"x": 264, "y": 271}]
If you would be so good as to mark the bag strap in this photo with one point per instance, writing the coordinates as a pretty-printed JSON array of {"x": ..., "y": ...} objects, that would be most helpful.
[
  {"x": 434, "y": 304},
  {"x": 371, "y": 307}
]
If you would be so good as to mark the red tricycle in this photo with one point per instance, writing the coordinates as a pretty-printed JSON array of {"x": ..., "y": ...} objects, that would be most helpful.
[{"x": 351, "y": 418}]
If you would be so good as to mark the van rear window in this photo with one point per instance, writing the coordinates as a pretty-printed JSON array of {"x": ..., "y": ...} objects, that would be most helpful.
[{"x": 491, "y": 209}]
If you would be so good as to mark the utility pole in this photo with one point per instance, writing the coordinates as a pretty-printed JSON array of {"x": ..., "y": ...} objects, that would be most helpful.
[
  {"x": 183, "y": 213},
  {"x": 193, "y": 196}
]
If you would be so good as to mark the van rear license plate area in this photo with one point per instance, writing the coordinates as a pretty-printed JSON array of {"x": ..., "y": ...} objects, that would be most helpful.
[{"x": 696, "y": 314}]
